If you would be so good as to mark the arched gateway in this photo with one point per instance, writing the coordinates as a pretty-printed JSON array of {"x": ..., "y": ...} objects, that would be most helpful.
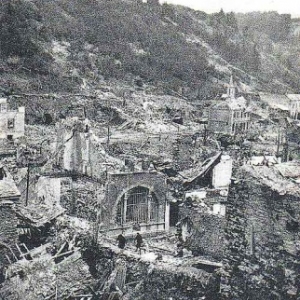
[
  {"x": 139, "y": 206},
  {"x": 136, "y": 201}
]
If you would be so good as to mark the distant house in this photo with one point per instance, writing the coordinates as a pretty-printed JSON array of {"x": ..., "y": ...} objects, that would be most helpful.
[
  {"x": 12, "y": 122},
  {"x": 294, "y": 105},
  {"x": 275, "y": 101},
  {"x": 231, "y": 115},
  {"x": 289, "y": 104}
]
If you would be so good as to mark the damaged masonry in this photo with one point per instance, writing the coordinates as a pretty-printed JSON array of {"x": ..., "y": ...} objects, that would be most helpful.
[
  {"x": 93, "y": 210},
  {"x": 80, "y": 194}
]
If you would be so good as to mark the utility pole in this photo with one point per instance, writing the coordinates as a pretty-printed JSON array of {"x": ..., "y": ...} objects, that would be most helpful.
[
  {"x": 205, "y": 135},
  {"x": 30, "y": 161},
  {"x": 278, "y": 142},
  {"x": 27, "y": 183},
  {"x": 108, "y": 134},
  {"x": 26, "y": 154}
]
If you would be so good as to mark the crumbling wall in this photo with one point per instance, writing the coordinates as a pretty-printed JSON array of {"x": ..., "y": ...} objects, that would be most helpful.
[
  {"x": 262, "y": 258},
  {"x": 79, "y": 197},
  {"x": 81, "y": 151},
  {"x": 206, "y": 236},
  {"x": 8, "y": 233},
  {"x": 48, "y": 189},
  {"x": 222, "y": 172}
]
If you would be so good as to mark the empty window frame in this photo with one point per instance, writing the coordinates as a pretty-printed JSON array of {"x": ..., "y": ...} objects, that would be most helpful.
[{"x": 11, "y": 123}]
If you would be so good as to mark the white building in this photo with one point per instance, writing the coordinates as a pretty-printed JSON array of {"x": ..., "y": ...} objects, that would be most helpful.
[
  {"x": 12, "y": 122},
  {"x": 294, "y": 105},
  {"x": 222, "y": 173}
]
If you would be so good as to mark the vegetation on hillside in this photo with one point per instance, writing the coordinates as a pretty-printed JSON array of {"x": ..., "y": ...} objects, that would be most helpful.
[{"x": 56, "y": 46}]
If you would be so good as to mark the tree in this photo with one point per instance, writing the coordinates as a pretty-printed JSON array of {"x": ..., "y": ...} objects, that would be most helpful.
[
  {"x": 20, "y": 28},
  {"x": 153, "y": 2}
]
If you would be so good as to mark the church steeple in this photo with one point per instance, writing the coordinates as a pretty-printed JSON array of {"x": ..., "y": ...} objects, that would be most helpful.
[{"x": 231, "y": 88}]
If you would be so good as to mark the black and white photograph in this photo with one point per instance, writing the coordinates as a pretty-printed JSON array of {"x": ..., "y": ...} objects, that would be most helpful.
[{"x": 149, "y": 150}]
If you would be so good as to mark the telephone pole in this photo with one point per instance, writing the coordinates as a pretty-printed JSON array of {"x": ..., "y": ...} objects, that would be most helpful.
[
  {"x": 27, "y": 183},
  {"x": 30, "y": 160}
]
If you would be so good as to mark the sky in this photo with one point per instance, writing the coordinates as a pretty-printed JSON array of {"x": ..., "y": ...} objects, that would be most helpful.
[{"x": 281, "y": 6}]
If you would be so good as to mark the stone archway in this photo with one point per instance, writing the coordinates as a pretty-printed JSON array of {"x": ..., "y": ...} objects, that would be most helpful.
[{"x": 139, "y": 205}]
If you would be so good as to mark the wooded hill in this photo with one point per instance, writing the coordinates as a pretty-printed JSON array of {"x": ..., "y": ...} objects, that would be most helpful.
[{"x": 68, "y": 46}]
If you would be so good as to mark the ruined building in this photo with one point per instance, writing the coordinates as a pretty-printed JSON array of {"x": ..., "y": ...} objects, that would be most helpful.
[
  {"x": 294, "y": 105},
  {"x": 12, "y": 122},
  {"x": 9, "y": 196},
  {"x": 263, "y": 233},
  {"x": 282, "y": 105},
  {"x": 72, "y": 145},
  {"x": 101, "y": 187},
  {"x": 231, "y": 115},
  {"x": 202, "y": 215}
]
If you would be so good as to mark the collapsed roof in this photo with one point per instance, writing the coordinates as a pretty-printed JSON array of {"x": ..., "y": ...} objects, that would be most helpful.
[
  {"x": 190, "y": 175},
  {"x": 38, "y": 216}
]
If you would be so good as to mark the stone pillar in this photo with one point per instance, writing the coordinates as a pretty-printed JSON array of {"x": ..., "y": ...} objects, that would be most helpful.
[
  {"x": 150, "y": 203},
  {"x": 9, "y": 234},
  {"x": 124, "y": 208},
  {"x": 167, "y": 216}
]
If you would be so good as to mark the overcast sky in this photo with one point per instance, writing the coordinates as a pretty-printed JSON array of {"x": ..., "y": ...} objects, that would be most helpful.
[{"x": 282, "y": 6}]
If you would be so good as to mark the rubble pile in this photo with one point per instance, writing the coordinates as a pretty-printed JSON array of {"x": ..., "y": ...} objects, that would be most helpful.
[
  {"x": 43, "y": 278},
  {"x": 53, "y": 268},
  {"x": 119, "y": 161},
  {"x": 150, "y": 276}
]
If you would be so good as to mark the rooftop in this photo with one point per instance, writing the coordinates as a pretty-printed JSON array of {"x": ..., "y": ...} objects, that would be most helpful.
[
  {"x": 294, "y": 97},
  {"x": 275, "y": 100},
  {"x": 239, "y": 103},
  {"x": 8, "y": 189},
  {"x": 199, "y": 170},
  {"x": 282, "y": 178}
]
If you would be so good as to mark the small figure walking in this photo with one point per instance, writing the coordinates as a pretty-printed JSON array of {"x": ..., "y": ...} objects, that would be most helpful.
[
  {"x": 121, "y": 241},
  {"x": 139, "y": 242}
]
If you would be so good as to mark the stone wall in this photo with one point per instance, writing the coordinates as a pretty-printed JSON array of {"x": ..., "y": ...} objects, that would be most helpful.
[
  {"x": 8, "y": 233},
  {"x": 262, "y": 257},
  {"x": 206, "y": 233},
  {"x": 84, "y": 197}
]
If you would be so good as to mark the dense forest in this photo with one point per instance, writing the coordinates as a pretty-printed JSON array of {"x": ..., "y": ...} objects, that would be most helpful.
[{"x": 51, "y": 46}]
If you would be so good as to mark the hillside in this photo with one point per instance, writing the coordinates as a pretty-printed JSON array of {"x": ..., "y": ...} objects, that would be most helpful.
[{"x": 62, "y": 46}]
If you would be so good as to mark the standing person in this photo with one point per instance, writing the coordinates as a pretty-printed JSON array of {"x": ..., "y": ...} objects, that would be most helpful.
[
  {"x": 121, "y": 241},
  {"x": 139, "y": 242}
]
